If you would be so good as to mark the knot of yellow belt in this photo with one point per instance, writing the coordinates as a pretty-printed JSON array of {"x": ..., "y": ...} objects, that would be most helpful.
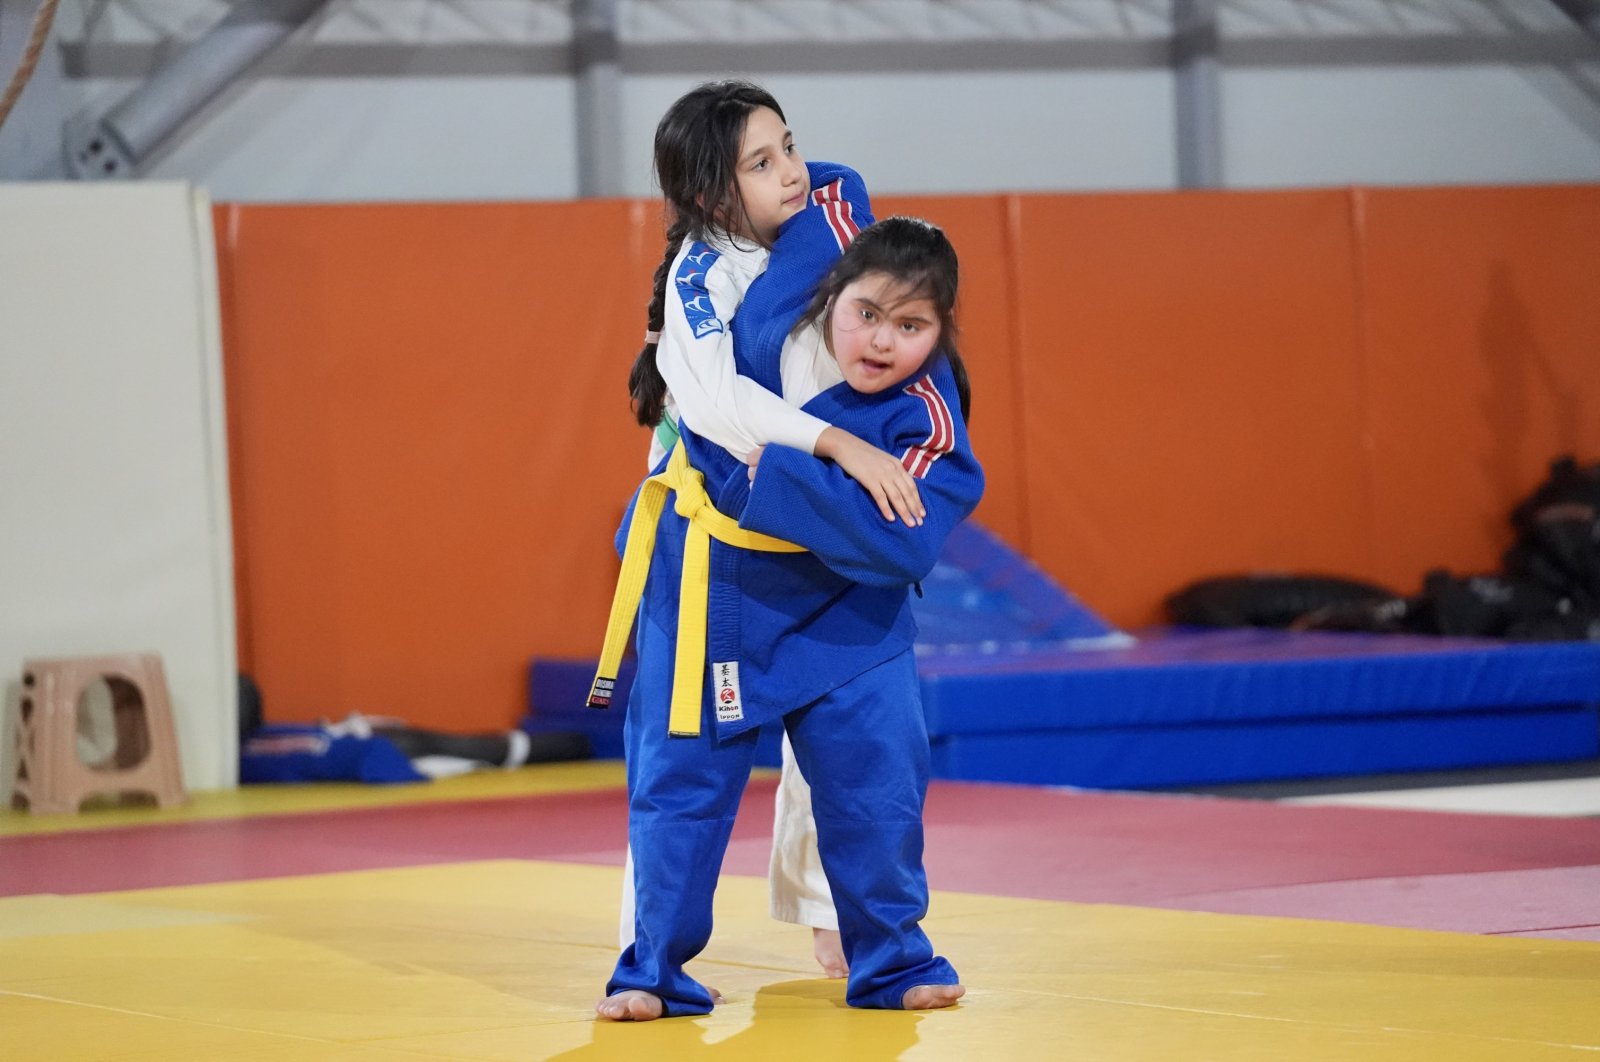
[
  {"x": 692, "y": 497},
  {"x": 705, "y": 523}
]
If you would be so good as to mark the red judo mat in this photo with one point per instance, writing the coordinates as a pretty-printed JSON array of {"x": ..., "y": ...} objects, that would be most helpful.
[{"x": 1473, "y": 873}]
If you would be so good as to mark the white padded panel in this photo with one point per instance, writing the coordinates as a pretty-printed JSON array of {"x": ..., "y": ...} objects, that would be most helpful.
[{"x": 114, "y": 518}]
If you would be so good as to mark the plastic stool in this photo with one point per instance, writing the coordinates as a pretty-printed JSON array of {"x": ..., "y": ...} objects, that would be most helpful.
[{"x": 52, "y": 777}]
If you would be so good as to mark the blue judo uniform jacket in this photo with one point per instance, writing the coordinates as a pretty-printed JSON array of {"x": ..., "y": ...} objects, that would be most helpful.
[
  {"x": 794, "y": 627},
  {"x": 829, "y": 631}
]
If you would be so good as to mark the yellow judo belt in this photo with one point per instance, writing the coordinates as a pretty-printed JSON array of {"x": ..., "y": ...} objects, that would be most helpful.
[{"x": 705, "y": 523}]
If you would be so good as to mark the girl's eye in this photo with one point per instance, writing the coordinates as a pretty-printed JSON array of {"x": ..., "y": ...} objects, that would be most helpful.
[
  {"x": 759, "y": 166},
  {"x": 910, "y": 328},
  {"x": 866, "y": 315}
]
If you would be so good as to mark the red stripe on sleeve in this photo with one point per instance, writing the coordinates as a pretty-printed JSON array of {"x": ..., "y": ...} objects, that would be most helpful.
[
  {"x": 918, "y": 460},
  {"x": 840, "y": 214},
  {"x": 848, "y": 219}
]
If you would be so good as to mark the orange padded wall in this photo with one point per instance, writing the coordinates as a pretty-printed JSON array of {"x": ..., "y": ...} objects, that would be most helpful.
[
  {"x": 1191, "y": 391},
  {"x": 431, "y": 443},
  {"x": 1483, "y": 355}
]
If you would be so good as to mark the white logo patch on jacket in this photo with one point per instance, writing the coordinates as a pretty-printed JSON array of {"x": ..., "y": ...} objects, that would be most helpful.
[{"x": 725, "y": 692}]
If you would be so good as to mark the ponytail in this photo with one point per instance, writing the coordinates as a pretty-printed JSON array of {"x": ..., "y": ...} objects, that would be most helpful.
[{"x": 645, "y": 384}]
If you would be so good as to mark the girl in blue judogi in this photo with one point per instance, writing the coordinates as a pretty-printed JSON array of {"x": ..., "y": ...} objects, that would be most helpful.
[
  {"x": 752, "y": 629},
  {"x": 730, "y": 177}
]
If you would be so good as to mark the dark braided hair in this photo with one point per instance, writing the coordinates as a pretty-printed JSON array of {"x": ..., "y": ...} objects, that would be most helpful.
[
  {"x": 919, "y": 256},
  {"x": 696, "y": 151}
]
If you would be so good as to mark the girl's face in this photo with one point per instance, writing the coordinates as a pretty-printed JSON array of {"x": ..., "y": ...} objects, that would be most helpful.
[
  {"x": 879, "y": 337},
  {"x": 771, "y": 175}
]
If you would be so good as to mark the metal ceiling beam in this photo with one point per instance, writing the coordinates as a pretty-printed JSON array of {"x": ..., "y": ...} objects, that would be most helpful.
[
  {"x": 1197, "y": 78},
  {"x": 1585, "y": 13},
  {"x": 114, "y": 144},
  {"x": 597, "y": 84}
]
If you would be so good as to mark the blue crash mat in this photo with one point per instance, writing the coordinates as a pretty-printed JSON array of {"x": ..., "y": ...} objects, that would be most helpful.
[
  {"x": 1185, "y": 676},
  {"x": 1210, "y": 707},
  {"x": 1023, "y": 683}
]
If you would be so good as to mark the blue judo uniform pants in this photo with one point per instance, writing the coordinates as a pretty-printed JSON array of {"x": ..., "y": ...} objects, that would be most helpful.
[{"x": 864, "y": 750}]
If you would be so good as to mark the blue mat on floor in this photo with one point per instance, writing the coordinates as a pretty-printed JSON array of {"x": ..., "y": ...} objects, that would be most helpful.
[
  {"x": 1211, "y": 707},
  {"x": 1022, "y": 683}
]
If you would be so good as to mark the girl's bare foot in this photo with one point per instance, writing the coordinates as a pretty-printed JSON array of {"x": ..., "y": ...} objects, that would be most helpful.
[
  {"x": 829, "y": 950},
  {"x": 636, "y": 1005},
  {"x": 931, "y": 997}
]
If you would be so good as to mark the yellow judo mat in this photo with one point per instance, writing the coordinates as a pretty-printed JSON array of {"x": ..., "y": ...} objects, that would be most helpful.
[{"x": 503, "y": 961}]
